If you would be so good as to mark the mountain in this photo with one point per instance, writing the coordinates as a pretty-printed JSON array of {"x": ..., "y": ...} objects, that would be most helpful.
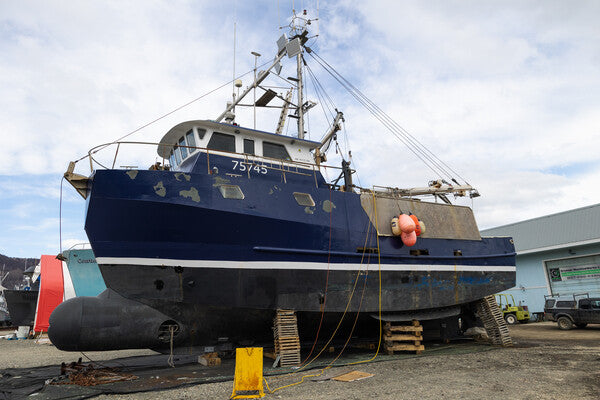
[{"x": 15, "y": 267}]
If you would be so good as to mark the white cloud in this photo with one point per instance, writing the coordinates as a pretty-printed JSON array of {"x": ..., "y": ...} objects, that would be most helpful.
[{"x": 507, "y": 94}]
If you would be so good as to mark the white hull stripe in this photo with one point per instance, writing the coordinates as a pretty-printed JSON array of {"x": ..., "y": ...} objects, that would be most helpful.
[{"x": 294, "y": 265}]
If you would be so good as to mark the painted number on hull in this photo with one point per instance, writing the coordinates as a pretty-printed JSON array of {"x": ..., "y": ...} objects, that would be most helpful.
[{"x": 242, "y": 166}]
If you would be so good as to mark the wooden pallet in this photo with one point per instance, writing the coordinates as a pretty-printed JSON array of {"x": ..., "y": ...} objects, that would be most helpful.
[
  {"x": 493, "y": 321},
  {"x": 287, "y": 341},
  {"x": 394, "y": 337}
]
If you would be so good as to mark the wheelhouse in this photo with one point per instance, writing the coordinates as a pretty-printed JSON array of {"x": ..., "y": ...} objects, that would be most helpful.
[{"x": 189, "y": 138}]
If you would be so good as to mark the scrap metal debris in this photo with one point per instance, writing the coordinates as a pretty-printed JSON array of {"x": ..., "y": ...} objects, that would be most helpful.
[{"x": 77, "y": 373}]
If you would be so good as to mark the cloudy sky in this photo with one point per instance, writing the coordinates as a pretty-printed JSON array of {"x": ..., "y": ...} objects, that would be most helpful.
[{"x": 505, "y": 92}]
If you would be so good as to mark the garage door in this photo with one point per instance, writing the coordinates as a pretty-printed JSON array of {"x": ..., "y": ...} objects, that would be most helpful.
[{"x": 574, "y": 275}]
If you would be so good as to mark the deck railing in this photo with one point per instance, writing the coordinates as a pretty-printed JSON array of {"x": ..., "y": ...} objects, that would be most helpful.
[{"x": 249, "y": 160}]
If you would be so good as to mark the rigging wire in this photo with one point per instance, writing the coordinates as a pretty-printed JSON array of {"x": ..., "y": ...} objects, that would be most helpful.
[
  {"x": 416, "y": 147},
  {"x": 173, "y": 111},
  {"x": 320, "y": 99},
  {"x": 373, "y": 109},
  {"x": 322, "y": 94},
  {"x": 60, "y": 216}
]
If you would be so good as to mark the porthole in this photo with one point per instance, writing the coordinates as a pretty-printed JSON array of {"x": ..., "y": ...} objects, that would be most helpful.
[
  {"x": 304, "y": 199},
  {"x": 231, "y": 192}
]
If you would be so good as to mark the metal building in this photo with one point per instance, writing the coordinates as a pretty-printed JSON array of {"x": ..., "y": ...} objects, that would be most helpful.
[{"x": 557, "y": 254}]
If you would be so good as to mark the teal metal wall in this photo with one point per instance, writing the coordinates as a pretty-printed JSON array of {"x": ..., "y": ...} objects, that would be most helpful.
[
  {"x": 533, "y": 281},
  {"x": 85, "y": 274}
]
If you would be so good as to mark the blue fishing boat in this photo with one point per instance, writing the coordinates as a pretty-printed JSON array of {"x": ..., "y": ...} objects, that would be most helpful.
[{"x": 235, "y": 223}]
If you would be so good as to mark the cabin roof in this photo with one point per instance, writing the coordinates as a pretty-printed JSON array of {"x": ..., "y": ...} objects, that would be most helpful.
[{"x": 172, "y": 136}]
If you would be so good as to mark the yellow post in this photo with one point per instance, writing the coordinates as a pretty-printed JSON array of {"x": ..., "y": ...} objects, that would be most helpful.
[{"x": 248, "y": 379}]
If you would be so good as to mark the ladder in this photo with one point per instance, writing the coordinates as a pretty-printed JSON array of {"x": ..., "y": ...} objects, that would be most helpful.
[
  {"x": 493, "y": 321},
  {"x": 284, "y": 111}
]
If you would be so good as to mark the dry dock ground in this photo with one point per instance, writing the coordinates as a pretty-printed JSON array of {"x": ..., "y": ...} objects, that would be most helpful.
[{"x": 545, "y": 363}]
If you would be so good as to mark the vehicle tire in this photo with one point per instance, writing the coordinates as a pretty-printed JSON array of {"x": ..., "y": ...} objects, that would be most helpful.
[
  {"x": 581, "y": 325},
  {"x": 564, "y": 323},
  {"x": 511, "y": 319}
]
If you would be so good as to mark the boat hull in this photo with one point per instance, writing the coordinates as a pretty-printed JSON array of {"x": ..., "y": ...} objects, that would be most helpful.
[
  {"x": 185, "y": 259},
  {"x": 21, "y": 306}
]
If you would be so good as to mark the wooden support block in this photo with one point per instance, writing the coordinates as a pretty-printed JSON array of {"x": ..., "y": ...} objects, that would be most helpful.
[
  {"x": 407, "y": 333},
  {"x": 209, "y": 360},
  {"x": 405, "y": 347},
  {"x": 404, "y": 328},
  {"x": 398, "y": 337},
  {"x": 270, "y": 353}
]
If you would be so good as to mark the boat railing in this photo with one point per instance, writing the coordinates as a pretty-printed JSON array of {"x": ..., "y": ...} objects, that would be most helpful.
[{"x": 249, "y": 160}]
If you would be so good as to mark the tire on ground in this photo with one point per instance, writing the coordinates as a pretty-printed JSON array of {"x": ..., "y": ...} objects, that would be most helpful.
[
  {"x": 564, "y": 323},
  {"x": 511, "y": 319}
]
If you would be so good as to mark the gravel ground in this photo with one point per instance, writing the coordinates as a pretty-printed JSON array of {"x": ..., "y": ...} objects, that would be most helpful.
[{"x": 546, "y": 363}]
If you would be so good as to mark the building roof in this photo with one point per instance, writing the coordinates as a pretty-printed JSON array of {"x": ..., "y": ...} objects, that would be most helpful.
[{"x": 569, "y": 228}]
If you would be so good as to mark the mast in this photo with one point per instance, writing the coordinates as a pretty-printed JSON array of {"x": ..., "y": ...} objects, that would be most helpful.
[{"x": 300, "y": 98}]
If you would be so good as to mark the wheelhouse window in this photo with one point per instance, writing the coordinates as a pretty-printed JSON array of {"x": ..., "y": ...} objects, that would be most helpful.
[
  {"x": 201, "y": 132},
  {"x": 183, "y": 148},
  {"x": 231, "y": 192},
  {"x": 172, "y": 159},
  {"x": 177, "y": 155},
  {"x": 274, "y": 150},
  {"x": 222, "y": 142},
  {"x": 248, "y": 146},
  {"x": 189, "y": 137},
  {"x": 304, "y": 199}
]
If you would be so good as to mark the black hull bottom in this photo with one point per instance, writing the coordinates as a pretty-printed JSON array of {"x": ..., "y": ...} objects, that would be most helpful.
[
  {"x": 112, "y": 322},
  {"x": 304, "y": 290},
  {"x": 200, "y": 306}
]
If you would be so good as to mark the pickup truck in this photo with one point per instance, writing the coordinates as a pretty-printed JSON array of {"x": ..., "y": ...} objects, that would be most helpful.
[{"x": 569, "y": 312}]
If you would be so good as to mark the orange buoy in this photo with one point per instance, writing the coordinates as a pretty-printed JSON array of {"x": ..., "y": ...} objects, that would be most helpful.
[
  {"x": 422, "y": 225},
  {"x": 409, "y": 239},
  {"x": 407, "y": 225},
  {"x": 396, "y": 227},
  {"x": 417, "y": 226}
]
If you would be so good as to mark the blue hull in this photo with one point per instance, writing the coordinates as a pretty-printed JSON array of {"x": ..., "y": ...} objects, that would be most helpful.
[
  {"x": 180, "y": 258},
  {"x": 153, "y": 219}
]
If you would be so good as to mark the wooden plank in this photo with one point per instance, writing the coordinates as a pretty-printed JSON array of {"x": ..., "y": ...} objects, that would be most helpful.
[
  {"x": 397, "y": 337},
  {"x": 404, "y": 328},
  {"x": 352, "y": 376},
  {"x": 405, "y": 347}
]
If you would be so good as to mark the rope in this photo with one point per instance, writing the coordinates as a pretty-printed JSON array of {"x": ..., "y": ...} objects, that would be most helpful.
[
  {"x": 326, "y": 285},
  {"x": 170, "y": 360},
  {"x": 342, "y": 318},
  {"x": 379, "y": 271}
]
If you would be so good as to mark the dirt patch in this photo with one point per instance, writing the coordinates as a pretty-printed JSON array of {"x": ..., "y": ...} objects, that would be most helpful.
[{"x": 546, "y": 363}]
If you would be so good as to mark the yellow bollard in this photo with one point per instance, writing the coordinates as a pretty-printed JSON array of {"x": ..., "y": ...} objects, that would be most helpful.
[{"x": 248, "y": 379}]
